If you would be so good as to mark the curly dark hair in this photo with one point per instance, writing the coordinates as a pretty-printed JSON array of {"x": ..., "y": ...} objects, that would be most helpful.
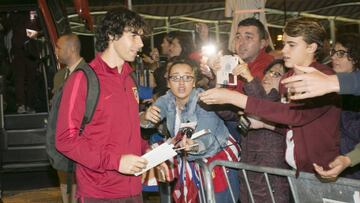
[
  {"x": 351, "y": 41},
  {"x": 114, "y": 24},
  {"x": 310, "y": 30}
]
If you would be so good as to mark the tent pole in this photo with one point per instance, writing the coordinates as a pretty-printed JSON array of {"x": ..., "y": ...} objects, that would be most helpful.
[
  {"x": 332, "y": 30},
  {"x": 217, "y": 32}
]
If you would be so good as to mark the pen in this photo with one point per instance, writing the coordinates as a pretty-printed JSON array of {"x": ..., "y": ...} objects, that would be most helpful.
[{"x": 191, "y": 146}]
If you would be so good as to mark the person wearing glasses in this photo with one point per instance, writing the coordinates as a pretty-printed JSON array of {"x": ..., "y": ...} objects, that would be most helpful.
[
  {"x": 181, "y": 109},
  {"x": 261, "y": 146},
  {"x": 345, "y": 57},
  {"x": 313, "y": 83},
  {"x": 312, "y": 134}
]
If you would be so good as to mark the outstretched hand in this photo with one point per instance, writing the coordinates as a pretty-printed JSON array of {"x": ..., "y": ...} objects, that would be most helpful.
[
  {"x": 223, "y": 96},
  {"x": 336, "y": 167},
  {"x": 256, "y": 123},
  {"x": 310, "y": 84},
  {"x": 216, "y": 96}
]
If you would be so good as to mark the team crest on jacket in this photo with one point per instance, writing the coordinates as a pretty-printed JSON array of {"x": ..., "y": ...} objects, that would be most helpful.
[{"x": 136, "y": 94}]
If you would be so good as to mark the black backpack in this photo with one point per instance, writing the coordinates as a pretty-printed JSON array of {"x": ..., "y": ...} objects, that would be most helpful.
[{"x": 57, "y": 160}]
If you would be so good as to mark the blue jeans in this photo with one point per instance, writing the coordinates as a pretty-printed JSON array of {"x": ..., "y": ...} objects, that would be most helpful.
[
  {"x": 222, "y": 197},
  {"x": 232, "y": 126}
]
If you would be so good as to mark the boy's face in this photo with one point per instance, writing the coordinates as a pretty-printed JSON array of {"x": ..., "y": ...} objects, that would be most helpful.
[
  {"x": 297, "y": 51},
  {"x": 128, "y": 44}
]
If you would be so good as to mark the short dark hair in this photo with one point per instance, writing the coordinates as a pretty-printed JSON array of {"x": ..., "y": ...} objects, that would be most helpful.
[
  {"x": 351, "y": 41},
  {"x": 169, "y": 36},
  {"x": 186, "y": 61},
  {"x": 311, "y": 31},
  {"x": 258, "y": 24},
  {"x": 273, "y": 63},
  {"x": 73, "y": 40},
  {"x": 114, "y": 24}
]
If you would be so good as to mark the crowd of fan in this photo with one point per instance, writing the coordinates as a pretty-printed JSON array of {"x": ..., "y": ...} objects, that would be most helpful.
[{"x": 313, "y": 135}]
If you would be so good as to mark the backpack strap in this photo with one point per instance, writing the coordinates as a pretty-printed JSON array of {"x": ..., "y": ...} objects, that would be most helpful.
[
  {"x": 69, "y": 177},
  {"x": 92, "y": 98},
  {"x": 92, "y": 95}
]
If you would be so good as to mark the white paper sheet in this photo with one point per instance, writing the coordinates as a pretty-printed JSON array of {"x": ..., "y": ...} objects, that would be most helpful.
[
  {"x": 158, "y": 155},
  {"x": 227, "y": 64}
]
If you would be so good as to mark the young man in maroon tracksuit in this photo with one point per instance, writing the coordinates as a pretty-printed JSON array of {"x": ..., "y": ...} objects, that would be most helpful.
[{"x": 107, "y": 152}]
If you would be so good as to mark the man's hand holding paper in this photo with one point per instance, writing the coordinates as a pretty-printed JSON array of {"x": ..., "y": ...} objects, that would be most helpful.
[
  {"x": 167, "y": 150},
  {"x": 224, "y": 74},
  {"x": 158, "y": 155},
  {"x": 243, "y": 70}
]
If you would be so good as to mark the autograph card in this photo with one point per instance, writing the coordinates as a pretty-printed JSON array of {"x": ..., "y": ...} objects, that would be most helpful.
[{"x": 224, "y": 76}]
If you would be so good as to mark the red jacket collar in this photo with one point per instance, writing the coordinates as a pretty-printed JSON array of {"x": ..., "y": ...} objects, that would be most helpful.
[
  {"x": 262, "y": 56},
  {"x": 126, "y": 68}
]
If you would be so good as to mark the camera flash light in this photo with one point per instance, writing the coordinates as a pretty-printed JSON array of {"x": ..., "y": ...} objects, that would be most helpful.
[{"x": 208, "y": 50}]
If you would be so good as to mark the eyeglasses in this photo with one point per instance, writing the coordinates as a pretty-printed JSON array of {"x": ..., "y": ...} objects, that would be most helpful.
[
  {"x": 338, "y": 53},
  {"x": 274, "y": 74},
  {"x": 185, "y": 78}
]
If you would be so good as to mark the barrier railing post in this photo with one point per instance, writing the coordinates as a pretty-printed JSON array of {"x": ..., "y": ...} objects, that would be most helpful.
[
  {"x": 304, "y": 188},
  {"x": 228, "y": 183},
  {"x": 208, "y": 183},
  {"x": 269, "y": 187},
  {"x": 248, "y": 185}
]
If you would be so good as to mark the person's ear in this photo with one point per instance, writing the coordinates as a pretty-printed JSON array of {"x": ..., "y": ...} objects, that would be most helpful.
[
  {"x": 311, "y": 48},
  {"x": 353, "y": 62},
  {"x": 264, "y": 43},
  {"x": 72, "y": 49},
  {"x": 111, "y": 37}
]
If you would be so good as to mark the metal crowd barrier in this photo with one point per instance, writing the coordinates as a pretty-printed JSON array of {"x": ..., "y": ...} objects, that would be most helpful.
[{"x": 306, "y": 188}]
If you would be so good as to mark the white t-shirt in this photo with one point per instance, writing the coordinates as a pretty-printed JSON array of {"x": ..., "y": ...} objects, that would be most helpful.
[{"x": 290, "y": 145}]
